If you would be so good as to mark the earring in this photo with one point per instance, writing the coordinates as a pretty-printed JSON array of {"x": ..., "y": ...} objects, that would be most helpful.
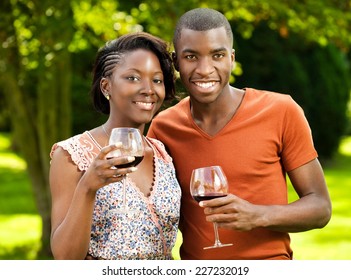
[{"x": 107, "y": 96}]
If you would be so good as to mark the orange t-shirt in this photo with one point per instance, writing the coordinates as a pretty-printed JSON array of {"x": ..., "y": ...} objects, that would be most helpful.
[{"x": 268, "y": 136}]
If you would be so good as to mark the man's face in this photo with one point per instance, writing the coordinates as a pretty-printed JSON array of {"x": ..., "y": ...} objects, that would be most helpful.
[{"x": 204, "y": 60}]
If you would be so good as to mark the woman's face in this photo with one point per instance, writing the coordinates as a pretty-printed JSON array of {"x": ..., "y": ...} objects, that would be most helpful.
[{"x": 136, "y": 88}]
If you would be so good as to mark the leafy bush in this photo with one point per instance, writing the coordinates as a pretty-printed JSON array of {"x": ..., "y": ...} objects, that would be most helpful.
[{"x": 316, "y": 77}]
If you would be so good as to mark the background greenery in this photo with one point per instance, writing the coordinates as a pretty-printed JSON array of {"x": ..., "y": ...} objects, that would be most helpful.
[{"x": 47, "y": 49}]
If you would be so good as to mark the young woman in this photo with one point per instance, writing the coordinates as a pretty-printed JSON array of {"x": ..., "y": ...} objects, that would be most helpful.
[{"x": 132, "y": 76}]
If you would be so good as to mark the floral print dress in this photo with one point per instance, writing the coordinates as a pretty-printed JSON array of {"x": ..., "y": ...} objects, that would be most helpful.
[{"x": 148, "y": 232}]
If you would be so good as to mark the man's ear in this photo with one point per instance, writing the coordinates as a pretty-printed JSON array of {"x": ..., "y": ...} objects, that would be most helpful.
[
  {"x": 175, "y": 61},
  {"x": 233, "y": 58}
]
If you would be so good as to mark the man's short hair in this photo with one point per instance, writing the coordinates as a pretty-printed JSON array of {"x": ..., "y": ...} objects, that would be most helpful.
[{"x": 202, "y": 19}]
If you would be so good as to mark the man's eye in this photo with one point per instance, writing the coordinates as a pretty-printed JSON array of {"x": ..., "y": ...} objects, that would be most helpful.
[
  {"x": 190, "y": 57},
  {"x": 218, "y": 55}
]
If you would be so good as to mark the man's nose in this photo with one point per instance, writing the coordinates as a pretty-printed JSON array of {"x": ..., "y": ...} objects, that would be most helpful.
[{"x": 204, "y": 66}]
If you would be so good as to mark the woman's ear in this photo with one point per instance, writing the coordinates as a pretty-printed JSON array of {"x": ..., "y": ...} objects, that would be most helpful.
[
  {"x": 175, "y": 61},
  {"x": 105, "y": 87}
]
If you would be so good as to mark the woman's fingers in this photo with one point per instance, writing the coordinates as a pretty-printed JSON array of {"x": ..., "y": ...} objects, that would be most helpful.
[
  {"x": 120, "y": 162},
  {"x": 106, "y": 170},
  {"x": 106, "y": 150}
]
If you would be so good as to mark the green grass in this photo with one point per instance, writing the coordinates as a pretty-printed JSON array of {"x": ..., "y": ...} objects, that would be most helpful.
[
  {"x": 20, "y": 224},
  {"x": 334, "y": 241},
  {"x": 20, "y": 236}
]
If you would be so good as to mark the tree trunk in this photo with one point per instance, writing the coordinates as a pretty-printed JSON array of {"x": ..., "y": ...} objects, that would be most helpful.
[{"x": 39, "y": 99}]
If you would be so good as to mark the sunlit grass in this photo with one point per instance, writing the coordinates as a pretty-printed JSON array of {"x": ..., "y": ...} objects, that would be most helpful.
[
  {"x": 20, "y": 236},
  {"x": 8, "y": 159},
  {"x": 334, "y": 241},
  {"x": 20, "y": 225}
]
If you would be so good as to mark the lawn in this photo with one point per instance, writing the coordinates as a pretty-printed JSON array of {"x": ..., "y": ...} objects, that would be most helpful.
[
  {"x": 20, "y": 225},
  {"x": 19, "y": 222},
  {"x": 334, "y": 241}
]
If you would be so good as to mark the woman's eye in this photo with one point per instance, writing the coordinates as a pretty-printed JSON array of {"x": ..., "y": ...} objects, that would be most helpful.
[
  {"x": 132, "y": 78},
  {"x": 158, "y": 81}
]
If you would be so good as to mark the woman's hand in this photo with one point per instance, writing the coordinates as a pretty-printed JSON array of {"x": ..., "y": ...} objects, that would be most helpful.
[{"x": 102, "y": 171}]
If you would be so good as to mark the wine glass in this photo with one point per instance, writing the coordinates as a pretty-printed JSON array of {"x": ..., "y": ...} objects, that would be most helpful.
[
  {"x": 207, "y": 183},
  {"x": 132, "y": 145}
]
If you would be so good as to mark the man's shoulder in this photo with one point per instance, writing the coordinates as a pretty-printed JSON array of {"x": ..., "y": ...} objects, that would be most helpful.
[
  {"x": 174, "y": 110},
  {"x": 274, "y": 103},
  {"x": 269, "y": 97},
  {"x": 270, "y": 94}
]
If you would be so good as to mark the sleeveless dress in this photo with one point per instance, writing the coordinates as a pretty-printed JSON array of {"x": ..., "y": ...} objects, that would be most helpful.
[{"x": 150, "y": 231}]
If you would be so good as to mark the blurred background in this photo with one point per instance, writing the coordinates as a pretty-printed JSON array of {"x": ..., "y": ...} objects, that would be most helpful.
[{"x": 47, "y": 49}]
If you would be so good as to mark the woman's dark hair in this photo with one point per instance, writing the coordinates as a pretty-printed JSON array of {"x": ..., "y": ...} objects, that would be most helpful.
[{"x": 110, "y": 55}]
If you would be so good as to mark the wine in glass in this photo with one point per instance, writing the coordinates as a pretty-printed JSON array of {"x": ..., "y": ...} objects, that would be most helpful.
[
  {"x": 132, "y": 145},
  {"x": 207, "y": 183}
]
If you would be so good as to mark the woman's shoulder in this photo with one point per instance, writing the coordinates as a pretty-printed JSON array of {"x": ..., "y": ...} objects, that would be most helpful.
[
  {"x": 160, "y": 149},
  {"x": 82, "y": 149}
]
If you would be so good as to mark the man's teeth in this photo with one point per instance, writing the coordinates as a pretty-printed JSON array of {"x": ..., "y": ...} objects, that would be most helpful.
[{"x": 206, "y": 85}]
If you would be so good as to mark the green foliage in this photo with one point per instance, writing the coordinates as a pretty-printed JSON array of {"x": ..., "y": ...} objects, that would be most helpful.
[
  {"x": 321, "y": 21},
  {"x": 85, "y": 117},
  {"x": 99, "y": 21},
  {"x": 330, "y": 90},
  {"x": 316, "y": 77}
]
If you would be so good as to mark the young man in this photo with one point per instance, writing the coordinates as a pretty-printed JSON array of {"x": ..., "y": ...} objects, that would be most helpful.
[{"x": 256, "y": 136}]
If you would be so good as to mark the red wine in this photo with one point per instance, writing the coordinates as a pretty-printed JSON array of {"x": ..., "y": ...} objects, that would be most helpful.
[
  {"x": 208, "y": 196},
  {"x": 137, "y": 160}
]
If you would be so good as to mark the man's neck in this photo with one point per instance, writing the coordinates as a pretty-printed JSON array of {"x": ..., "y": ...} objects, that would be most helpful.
[{"x": 212, "y": 117}]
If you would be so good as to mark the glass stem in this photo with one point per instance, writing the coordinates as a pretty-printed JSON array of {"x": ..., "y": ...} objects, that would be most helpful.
[
  {"x": 217, "y": 241},
  {"x": 124, "y": 192}
]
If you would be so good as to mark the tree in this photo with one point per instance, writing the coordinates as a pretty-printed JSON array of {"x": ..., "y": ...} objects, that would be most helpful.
[
  {"x": 41, "y": 39},
  {"x": 36, "y": 81}
]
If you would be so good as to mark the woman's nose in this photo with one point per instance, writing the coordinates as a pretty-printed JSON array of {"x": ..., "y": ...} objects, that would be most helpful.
[{"x": 148, "y": 87}]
